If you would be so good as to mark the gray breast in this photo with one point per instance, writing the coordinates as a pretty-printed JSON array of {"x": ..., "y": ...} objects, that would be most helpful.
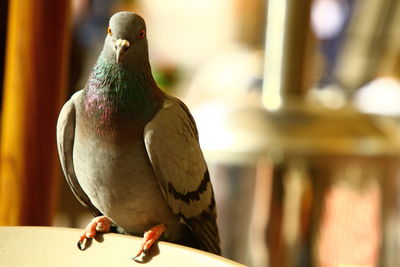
[{"x": 120, "y": 182}]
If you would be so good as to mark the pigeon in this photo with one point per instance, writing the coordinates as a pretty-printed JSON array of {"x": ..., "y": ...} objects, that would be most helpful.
[{"x": 130, "y": 152}]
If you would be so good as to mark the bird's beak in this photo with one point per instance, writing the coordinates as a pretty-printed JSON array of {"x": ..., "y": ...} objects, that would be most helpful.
[{"x": 121, "y": 46}]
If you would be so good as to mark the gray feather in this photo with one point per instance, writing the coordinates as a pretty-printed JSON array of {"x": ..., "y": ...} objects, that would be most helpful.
[
  {"x": 65, "y": 144},
  {"x": 174, "y": 151}
]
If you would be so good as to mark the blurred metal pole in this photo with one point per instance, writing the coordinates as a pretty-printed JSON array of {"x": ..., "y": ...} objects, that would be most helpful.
[
  {"x": 35, "y": 78},
  {"x": 287, "y": 51},
  {"x": 375, "y": 31}
]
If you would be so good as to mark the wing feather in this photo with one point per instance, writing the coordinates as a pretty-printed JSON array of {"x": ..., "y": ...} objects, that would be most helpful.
[
  {"x": 171, "y": 140},
  {"x": 65, "y": 144}
]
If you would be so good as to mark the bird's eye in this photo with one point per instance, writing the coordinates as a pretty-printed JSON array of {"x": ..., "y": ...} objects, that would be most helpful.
[
  {"x": 109, "y": 31},
  {"x": 142, "y": 34}
]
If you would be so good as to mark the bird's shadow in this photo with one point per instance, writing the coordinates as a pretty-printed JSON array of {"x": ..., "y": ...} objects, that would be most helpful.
[{"x": 99, "y": 237}]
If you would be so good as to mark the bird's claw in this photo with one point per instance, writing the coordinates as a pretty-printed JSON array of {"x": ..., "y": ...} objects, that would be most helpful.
[
  {"x": 79, "y": 244},
  {"x": 98, "y": 224},
  {"x": 149, "y": 238},
  {"x": 81, "y": 241},
  {"x": 137, "y": 254},
  {"x": 141, "y": 252}
]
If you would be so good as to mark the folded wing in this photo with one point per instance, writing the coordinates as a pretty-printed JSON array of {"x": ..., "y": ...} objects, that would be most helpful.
[{"x": 173, "y": 148}]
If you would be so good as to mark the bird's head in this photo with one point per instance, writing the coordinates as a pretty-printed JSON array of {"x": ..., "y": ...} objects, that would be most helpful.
[{"x": 126, "y": 41}]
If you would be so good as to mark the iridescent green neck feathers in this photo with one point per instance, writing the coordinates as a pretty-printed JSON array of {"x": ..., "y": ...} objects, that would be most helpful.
[{"x": 116, "y": 91}]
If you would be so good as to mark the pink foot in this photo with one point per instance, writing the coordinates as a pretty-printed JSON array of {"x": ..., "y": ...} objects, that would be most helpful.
[
  {"x": 150, "y": 237},
  {"x": 98, "y": 224}
]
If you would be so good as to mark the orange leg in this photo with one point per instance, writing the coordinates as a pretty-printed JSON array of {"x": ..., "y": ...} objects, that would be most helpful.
[
  {"x": 98, "y": 224},
  {"x": 150, "y": 237}
]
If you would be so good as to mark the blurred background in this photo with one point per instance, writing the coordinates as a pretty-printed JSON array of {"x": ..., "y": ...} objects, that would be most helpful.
[{"x": 297, "y": 105}]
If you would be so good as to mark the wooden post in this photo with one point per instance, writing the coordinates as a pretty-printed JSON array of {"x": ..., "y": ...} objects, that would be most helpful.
[{"x": 34, "y": 86}]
